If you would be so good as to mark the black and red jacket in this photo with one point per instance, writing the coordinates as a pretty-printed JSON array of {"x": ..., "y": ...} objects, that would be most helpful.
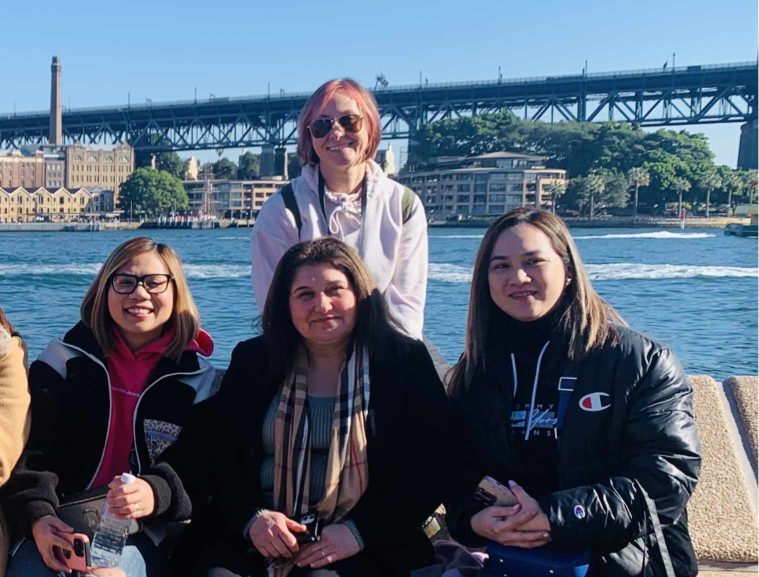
[{"x": 71, "y": 407}]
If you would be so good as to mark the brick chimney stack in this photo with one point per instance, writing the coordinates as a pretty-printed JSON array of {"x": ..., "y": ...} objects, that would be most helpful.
[{"x": 56, "y": 115}]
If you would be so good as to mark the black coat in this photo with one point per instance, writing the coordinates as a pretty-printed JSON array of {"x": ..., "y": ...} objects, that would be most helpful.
[
  {"x": 645, "y": 437},
  {"x": 71, "y": 410},
  {"x": 213, "y": 469}
]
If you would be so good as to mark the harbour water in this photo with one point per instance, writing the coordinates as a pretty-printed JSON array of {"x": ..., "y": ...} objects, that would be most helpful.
[{"x": 695, "y": 289}]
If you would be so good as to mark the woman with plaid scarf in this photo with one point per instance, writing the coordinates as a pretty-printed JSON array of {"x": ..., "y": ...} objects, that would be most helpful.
[{"x": 331, "y": 412}]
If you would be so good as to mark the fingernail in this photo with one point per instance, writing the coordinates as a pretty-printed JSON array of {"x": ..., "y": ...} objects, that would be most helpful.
[
  {"x": 512, "y": 483},
  {"x": 545, "y": 535}
]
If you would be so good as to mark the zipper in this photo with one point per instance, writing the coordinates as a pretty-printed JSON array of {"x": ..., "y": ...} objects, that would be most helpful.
[
  {"x": 137, "y": 408},
  {"x": 110, "y": 402},
  {"x": 528, "y": 428}
]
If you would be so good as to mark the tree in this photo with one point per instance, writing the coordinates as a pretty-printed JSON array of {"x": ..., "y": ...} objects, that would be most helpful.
[
  {"x": 638, "y": 177},
  {"x": 249, "y": 166},
  {"x": 681, "y": 185},
  {"x": 555, "y": 188},
  {"x": 224, "y": 169},
  {"x": 732, "y": 181},
  {"x": 591, "y": 188},
  {"x": 152, "y": 192},
  {"x": 708, "y": 181}
]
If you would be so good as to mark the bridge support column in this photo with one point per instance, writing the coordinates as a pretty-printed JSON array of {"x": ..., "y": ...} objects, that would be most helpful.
[
  {"x": 280, "y": 162},
  {"x": 267, "y": 160},
  {"x": 749, "y": 147}
]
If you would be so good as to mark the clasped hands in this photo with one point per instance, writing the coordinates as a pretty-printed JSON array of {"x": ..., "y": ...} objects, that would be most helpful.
[
  {"x": 522, "y": 525},
  {"x": 273, "y": 535}
]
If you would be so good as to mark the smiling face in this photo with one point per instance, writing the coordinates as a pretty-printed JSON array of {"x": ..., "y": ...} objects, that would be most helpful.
[
  {"x": 322, "y": 306},
  {"x": 526, "y": 275},
  {"x": 341, "y": 149},
  {"x": 141, "y": 316}
]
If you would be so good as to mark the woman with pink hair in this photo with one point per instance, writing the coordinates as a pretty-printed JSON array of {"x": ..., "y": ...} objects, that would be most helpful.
[{"x": 343, "y": 193}]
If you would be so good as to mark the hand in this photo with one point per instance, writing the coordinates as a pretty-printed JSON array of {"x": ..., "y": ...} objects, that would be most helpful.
[
  {"x": 523, "y": 525},
  {"x": 131, "y": 500},
  {"x": 337, "y": 542},
  {"x": 46, "y": 532},
  {"x": 272, "y": 535},
  {"x": 539, "y": 522}
]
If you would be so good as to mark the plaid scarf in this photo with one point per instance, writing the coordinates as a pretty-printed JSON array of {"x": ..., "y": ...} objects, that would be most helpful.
[{"x": 347, "y": 469}]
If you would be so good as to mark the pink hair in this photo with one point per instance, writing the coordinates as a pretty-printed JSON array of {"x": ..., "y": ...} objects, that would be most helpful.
[{"x": 353, "y": 90}]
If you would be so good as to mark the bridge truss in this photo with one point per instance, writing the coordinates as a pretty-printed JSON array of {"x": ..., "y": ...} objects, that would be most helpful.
[{"x": 664, "y": 97}]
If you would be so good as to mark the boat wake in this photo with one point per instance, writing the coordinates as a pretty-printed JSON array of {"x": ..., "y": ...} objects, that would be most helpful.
[
  {"x": 663, "y": 234},
  {"x": 451, "y": 273}
]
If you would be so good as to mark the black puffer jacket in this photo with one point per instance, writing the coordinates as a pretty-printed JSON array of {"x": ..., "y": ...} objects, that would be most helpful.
[{"x": 644, "y": 435}]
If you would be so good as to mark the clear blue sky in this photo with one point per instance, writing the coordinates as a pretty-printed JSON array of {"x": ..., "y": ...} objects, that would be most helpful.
[{"x": 165, "y": 50}]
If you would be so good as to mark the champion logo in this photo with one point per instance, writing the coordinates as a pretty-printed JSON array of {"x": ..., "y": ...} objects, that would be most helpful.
[
  {"x": 593, "y": 402},
  {"x": 579, "y": 511}
]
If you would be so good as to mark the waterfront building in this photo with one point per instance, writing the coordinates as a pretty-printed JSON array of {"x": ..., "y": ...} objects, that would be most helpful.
[
  {"x": 22, "y": 168},
  {"x": 21, "y": 204},
  {"x": 484, "y": 185},
  {"x": 106, "y": 168},
  {"x": 230, "y": 198}
]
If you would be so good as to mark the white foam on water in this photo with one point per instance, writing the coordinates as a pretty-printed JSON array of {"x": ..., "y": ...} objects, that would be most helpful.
[
  {"x": 31, "y": 269},
  {"x": 630, "y": 270},
  {"x": 662, "y": 234},
  {"x": 456, "y": 235},
  {"x": 213, "y": 271},
  {"x": 453, "y": 273}
]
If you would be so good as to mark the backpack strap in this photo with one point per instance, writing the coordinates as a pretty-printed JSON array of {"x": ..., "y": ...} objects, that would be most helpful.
[
  {"x": 288, "y": 196},
  {"x": 407, "y": 203}
]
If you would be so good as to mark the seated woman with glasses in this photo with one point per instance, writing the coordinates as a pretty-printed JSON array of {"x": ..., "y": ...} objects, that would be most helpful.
[
  {"x": 108, "y": 398},
  {"x": 343, "y": 193},
  {"x": 331, "y": 412},
  {"x": 589, "y": 422}
]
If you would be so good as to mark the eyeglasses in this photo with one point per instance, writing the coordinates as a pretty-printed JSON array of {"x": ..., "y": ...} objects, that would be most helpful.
[
  {"x": 126, "y": 284},
  {"x": 321, "y": 127}
]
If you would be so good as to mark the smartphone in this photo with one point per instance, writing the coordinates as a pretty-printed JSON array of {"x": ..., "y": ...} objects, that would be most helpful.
[
  {"x": 313, "y": 529},
  {"x": 78, "y": 559},
  {"x": 491, "y": 492}
]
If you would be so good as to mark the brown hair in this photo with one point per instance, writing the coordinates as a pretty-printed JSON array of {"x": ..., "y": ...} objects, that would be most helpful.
[
  {"x": 373, "y": 324},
  {"x": 5, "y": 323},
  {"x": 184, "y": 315},
  {"x": 363, "y": 99},
  {"x": 586, "y": 322}
]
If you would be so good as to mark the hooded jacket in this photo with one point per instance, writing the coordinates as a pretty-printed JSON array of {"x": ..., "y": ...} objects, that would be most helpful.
[
  {"x": 71, "y": 407},
  {"x": 629, "y": 428},
  {"x": 394, "y": 251}
]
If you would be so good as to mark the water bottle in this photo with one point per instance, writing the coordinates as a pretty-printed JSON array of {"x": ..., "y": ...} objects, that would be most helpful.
[{"x": 110, "y": 535}]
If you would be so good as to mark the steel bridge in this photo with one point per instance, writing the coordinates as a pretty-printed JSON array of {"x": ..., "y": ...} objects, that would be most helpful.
[{"x": 662, "y": 97}]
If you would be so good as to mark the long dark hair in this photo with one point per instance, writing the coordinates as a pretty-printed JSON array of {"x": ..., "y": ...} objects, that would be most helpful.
[
  {"x": 587, "y": 322},
  {"x": 374, "y": 329}
]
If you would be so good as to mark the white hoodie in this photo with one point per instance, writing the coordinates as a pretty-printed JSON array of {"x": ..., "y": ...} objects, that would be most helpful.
[{"x": 394, "y": 252}]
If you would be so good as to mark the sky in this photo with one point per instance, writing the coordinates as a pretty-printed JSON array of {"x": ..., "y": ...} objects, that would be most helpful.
[{"x": 112, "y": 53}]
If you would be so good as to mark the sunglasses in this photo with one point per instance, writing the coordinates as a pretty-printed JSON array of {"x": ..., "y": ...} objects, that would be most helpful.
[{"x": 321, "y": 127}]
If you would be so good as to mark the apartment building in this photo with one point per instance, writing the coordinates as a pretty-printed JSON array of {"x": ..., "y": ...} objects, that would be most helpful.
[
  {"x": 484, "y": 185},
  {"x": 230, "y": 198}
]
